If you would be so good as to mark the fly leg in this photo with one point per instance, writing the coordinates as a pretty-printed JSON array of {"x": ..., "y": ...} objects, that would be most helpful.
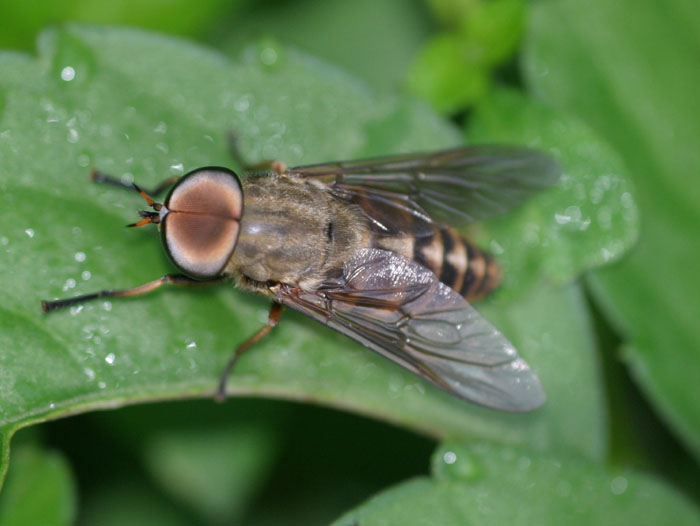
[
  {"x": 263, "y": 166},
  {"x": 168, "y": 279},
  {"x": 100, "y": 177},
  {"x": 272, "y": 319}
]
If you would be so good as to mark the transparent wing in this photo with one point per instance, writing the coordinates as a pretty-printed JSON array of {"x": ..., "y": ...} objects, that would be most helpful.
[
  {"x": 456, "y": 186},
  {"x": 400, "y": 309}
]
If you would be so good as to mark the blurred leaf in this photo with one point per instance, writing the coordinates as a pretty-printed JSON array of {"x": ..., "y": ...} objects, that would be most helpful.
[
  {"x": 444, "y": 75},
  {"x": 587, "y": 219},
  {"x": 629, "y": 69},
  {"x": 413, "y": 118},
  {"x": 493, "y": 485},
  {"x": 452, "y": 71},
  {"x": 138, "y": 105},
  {"x": 373, "y": 40},
  {"x": 39, "y": 489},
  {"x": 122, "y": 501},
  {"x": 215, "y": 471},
  {"x": 23, "y": 21},
  {"x": 337, "y": 453},
  {"x": 452, "y": 13},
  {"x": 494, "y": 28}
]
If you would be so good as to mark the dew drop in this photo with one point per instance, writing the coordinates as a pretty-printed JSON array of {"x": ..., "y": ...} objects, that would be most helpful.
[
  {"x": 415, "y": 387},
  {"x": 296, "y": 150},
  {"x": 618, "y": 485},
  {"x": 458, "y": 466},
  {"x": 107, "y": 305},
  {"x": 268, "y": 56},
  {"x": 531, "y": 238},
  {"x": 80, "y": 257},
  {"x": 101, "y": 385},
  {"x": 395, "y": 384},
  {"x": 177, "y": 169},
  {"x": 561, "y": 219},
  {"x": 540, "y": 69},
  {"x": 563, "y": 488},
  {"x": 110, "y": 358},
  {"x": 161, "y": 128},
  {"x": 605, "y": 217},
  {"x": 89, "y": 373},
  {"x": 86, "y": 275},
  {"x": 68, "y": 73},
  {"x": 574, "y": 212},
  {"x": 73, "y": 135},
  {"x": 626, "y": 200},
  {"x": 29, "y": 232},
  {"x": 242, "y": 104},
  {"x": 83, "y": 160},
  {"x": 69, "y": 284},
  {"x": 496, "y": 248},
  {"x": 524, "y": 462}
]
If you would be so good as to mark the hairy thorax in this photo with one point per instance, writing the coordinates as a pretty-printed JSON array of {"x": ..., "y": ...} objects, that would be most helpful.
[{"x": 293, "y": 231}]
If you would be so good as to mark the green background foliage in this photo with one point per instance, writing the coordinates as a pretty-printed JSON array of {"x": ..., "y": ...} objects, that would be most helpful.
[{"x": 598, "y": 296}]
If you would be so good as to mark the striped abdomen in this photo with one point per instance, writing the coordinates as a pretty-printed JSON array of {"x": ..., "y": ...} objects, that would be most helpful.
[{"x": 454, "y": 259}]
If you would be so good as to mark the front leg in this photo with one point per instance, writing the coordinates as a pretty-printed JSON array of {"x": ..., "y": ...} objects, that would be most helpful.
[{"x": 168, "y": 279}]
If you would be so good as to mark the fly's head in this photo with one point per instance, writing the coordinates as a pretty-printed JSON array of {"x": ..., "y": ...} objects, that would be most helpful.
[{"x": 199, "y": 220}]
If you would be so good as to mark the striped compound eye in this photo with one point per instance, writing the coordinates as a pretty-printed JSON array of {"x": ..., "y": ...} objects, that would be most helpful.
[{"x": 201, "y": 221}]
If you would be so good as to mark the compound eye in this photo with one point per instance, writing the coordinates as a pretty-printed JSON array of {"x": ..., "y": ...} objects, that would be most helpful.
[{"x": 202, "y": 221}]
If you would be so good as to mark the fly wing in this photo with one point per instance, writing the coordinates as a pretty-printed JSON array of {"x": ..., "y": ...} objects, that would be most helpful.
[
  {"x": 400, "y": 309},
  {"x": 455, "y": 186}
]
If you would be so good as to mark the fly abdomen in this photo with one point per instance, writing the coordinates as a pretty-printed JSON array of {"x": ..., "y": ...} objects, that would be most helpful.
[
  {"x": 455, "y": 260},
  {"x": 483, "y": 273}
]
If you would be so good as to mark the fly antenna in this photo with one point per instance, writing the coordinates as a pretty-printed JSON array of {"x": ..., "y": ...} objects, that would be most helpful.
[
  {"x": 148, "y": 217},
  {"x": 151, "y": 202}
]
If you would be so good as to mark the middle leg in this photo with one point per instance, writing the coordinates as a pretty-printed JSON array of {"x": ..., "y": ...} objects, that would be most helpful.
[{"x": 272, "y": 319}]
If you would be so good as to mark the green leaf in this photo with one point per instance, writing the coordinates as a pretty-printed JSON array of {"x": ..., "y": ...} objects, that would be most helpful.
[
  {"x": 453, "y": 70},
  {"x": 445, "y": 76},
  {"x": 587, "y": 219},
  {"x": 494, "y": 28},
  {"x": 142, "y": 106},
  {"x": 22, "y": 22},
  {"x": 39, "y": 489},
  {"x": 629, "y": 69},
  {"x": 483, "y": 484},
  {"x": 215, "y": 471},
  {"x": 553, "y": 329},
  {"x": 374, "y": 40},
  {"x": 121, "y": 500},
  {"x": 452, "y": 13}
]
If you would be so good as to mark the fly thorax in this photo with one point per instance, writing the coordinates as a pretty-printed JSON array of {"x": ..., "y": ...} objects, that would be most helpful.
[{"x": 282, "y": 236}]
